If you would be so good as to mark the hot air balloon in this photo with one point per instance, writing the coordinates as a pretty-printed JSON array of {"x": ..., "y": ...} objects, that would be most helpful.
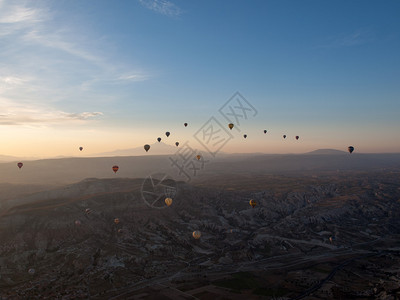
[
  {"x": 284, "y": 136},
  {"x": 245, "y": 135},
  {"x": 196, "y": 234},
  {"x": 146, "y": 147},
  {"x": 265, "y": 131},
  {"x": 168, "y": 201},
  {"x": 351, "y": 149},
  {"x": 230, "y": 126},
  {"x": 167, "y": 133},
  {"x": 177, "y": 144},
  {"x": 31, "y": 271},
  {"x": 297, "y": 137},
  {"x": 159, "y": 139},
  {"x": 116, "y": 221},
  {"x": 78, "y": 223},
  {"x": 253, "y": 203},
  {"x": 80, "y": 148},
  {"x": 185, "y": 124},
  {"x": 20, "y": 164},
  {"x": 198, "y": 157},
  {"x": 115, "y": 169}
]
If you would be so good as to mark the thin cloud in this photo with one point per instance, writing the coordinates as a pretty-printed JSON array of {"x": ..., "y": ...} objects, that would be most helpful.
[
  {"x": 163, "y": 7},
  {"x": 358, "y": 37},
  {"x": 23, "y": 114}
]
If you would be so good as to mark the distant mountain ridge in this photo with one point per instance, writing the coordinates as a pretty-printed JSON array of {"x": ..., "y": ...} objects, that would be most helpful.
[{"x": 327, "y": 152}]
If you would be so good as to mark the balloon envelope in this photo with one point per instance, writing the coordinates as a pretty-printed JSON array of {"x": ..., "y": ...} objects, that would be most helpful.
[
  {"x": 177, "y": 144},
  {"x": 297, "y": 137},
  {"x": 196, "y": 234},
  {"x": 198, "y": 157},
  {"x": 265, "y": 131},
  {"x": 245, "y": 135},
  {"x": 253, "y": 203},
  {"x": 351, "y": 149},
  {"x": 115, "y": 169},
  {"x": 80, "y": 148},
  {"x": 230, "y": 126},
  {"x": 284, "y": 136},
  {"x": 185, "y": 124},
  {"x": 168, "y": 201},
  {"x": 159, "y": 139},
  {"x": 146, "y": 147},
  {"x": 20, "y": 164},
  {"x": 167, "y": 133}
]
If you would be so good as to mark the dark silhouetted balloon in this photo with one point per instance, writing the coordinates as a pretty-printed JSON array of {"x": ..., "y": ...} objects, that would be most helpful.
[
  {"x": 185, "y": 124},
  {"x": 245, "y": 135},
  {"x": 167, "y": 133},
  {"x": 159, "y": 139},
  {"x": 80, "y": 148},
  {"x": 351, "y": 149},
  {"x": 115, "y": 169},
  {"x": 265, "y": 131},
  {"x": 230, "y": 126},
  {"x": 297, "y": 137},
  {"x": 284, "y": 136},
  {"x": 177, "y": 144},
  {"x": 146, "y": 147},
  {"x": 20, "y": 164}
]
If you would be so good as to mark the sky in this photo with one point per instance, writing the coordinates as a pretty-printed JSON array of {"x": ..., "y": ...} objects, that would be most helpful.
[{"x": 110, "y": 75}]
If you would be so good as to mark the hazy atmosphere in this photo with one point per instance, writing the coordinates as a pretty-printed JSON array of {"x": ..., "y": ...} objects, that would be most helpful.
[
  {"x": 172, "y": 149},
  {"x": 107, "y": 76}
]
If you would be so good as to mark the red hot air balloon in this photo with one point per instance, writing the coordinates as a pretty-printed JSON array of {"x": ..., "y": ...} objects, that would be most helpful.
[
  {"x": 115, "y": 169},
  {"x": 20, "y": 164}
]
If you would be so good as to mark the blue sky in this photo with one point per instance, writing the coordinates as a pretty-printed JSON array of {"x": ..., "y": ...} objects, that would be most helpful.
[{"x": 117, "y": 74}]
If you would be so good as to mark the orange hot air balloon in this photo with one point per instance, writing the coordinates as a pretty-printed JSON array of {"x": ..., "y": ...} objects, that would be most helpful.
[
  {"x": 185, "y": 124},
  {"x": 297, "y": 137},
  {"x": 80, "y": 148},
  {"x": 168, "y": 201},
  {"x": 253, "y": 203},
  {"x": 198, "y": 157},
  {"x": 116, "y": 221},
  {"x": 20, "y": 164},
  {"x": 196, "y": 234},
  {"x": 177, "y": 144},
  {"x": 115, "y": 169},
  {"x": 230, "y": 125},
  {"x": 159, "y": 139},
  {"x": 146, "y": 147}
]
